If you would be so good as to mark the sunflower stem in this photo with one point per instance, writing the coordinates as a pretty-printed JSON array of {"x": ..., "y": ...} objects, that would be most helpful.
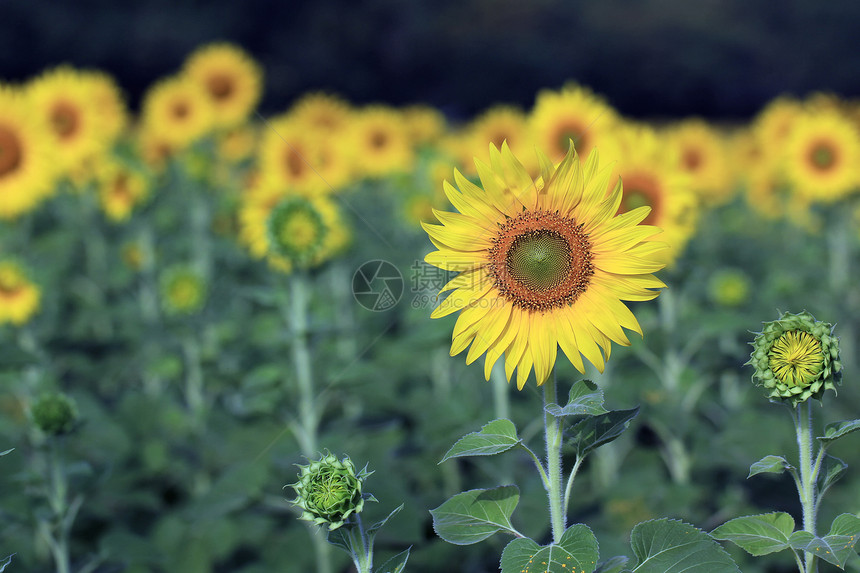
[
  {"x": 553, "y": 439},
  {"x": 501, "y": 409},
  {"x": 807, "y": 491},
  {"x": 362, "y": 548}
]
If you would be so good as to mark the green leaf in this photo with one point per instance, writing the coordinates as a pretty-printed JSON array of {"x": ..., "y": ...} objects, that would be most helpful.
[
  {"x": 617, "y": 564},
  {"x": 6, "y": 561},
  {"x": 838, "y": 429},
  {"x": 576, "y": 551},
  {"x": 585, "y": 399},
  {"x": 472, "y": 516},
  {"x": 395, "y": 564},
  {"x": 838, "y": 545},
  {"x": 595, "y": 431},
  {"x": 3, "y": 454},
  {"x": 671, "y": 546},
  {"x": 495, "y": 437},
  {"x": 771, "y": 465},
  {"x": 832, "y": 468},
  {"x": 342, "y": 537},
  {"x": 371, "y": 531},
  {"x": 758, "y": 534}
]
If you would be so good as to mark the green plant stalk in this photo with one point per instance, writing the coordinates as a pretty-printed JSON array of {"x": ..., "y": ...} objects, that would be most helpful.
[
  {"x": 362, "y": 550},
  {"x": 553, "y": 437},
  {"x": 808, "y": 476},
  {"x": 57, "y": 499},
  {"x": 193, "y": 380},
  {"x": 501, "y": 409},
  {"x": 297, "y": 317}
]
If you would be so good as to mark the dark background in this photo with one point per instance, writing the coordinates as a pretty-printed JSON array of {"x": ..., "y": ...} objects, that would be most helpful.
[{"x": 723, "y": 59}]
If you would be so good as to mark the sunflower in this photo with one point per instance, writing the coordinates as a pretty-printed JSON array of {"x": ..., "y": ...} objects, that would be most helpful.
[
  {"x": 499, "y": 124},
  {"x": 702, "y": 154},
  {"x": 26, "y": 166},
  {"x": 574, "y": 113},
  {"x": 67, "y": 105},
  {"x": 822, "y": 155},
  {"x": 651, "y": 176},
  {"x": 120, "y": 189},
  {"x": 231, "y": 79},
  {"x": 308, "y": 163},
  {"x": 542, "y": 263},
  {"x": 425, "y": 124},
  {"x": 110, "y": 102},
  {"x": 183, "y": 290},
  {"x": 177, "y": 111},
  {"x": 290, "y": 230},
  {"x": 380, "y": 142},
  {"x": 238, "y": 144},
  {"x": 324, "y": 113},
  {"x": 19, "y": 297}
]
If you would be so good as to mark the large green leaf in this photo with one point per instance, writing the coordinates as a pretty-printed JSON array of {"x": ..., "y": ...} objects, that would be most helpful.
[
  {"x": 585, "y": 399},
  {"x": 396, "y": 564},
  {"x": 758, "y": 534},
  {"x": 576, "y": 551},
  {"x": 838, "y": 429},
  {"x": 495, "y": 437},
  {"x": 671, "y": 546},
  {"x": 771, "y": 465},
  {"x": 837, "y": 546},
  {"x": 595, "y": 431},
  {"x": 472, "y": 516}
]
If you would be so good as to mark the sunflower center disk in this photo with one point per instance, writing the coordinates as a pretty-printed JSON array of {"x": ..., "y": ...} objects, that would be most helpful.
[
  {"x": 220, "y": 86},
  {"x": 822, "y": 156},
  {"x": 540, "y": 261},
  {"x": 64, "y": 119},
  {"x": 10, "y": 151},
  {"x": 796, "y": 358}
]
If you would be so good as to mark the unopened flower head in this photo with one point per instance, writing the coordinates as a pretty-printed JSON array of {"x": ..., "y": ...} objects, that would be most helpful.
[
  {"x": 54, "y": 413},
  {"x": 329, "y": 491},
  {"x": 796, "y": 358}
]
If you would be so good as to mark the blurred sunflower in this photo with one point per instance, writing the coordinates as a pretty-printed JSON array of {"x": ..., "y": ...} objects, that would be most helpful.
[
  {"x": 231, "y": 79},
  {"x": 380, "y": 142},
  {"x": 424, "y": 124},
  {"x": 499, "y": 124},
  {"x": 177, "y": 111},
  {"x": 238, "y": 144},
  {"x": 120, "y": 189},
  {"x": 68, "y": 106},
  {"x": 651, "y": 177},
  {"x": 183, "y": 290},
  {"x": 574, "y": 113},
  {"x": 542, "y": 263},
  {"x": 822, "y": 156},
  {"x": 19, "y": 297},
  {"x": 702, "y": 154},
  {"x": 308, "y": 163},
  {"x": 290, "y": 230},
  {"x": 26, "y": 166},
  {"x": 109, "y": 101},
  {"x": 771, "y": 129},
  {"x": 325, "y": 113}
]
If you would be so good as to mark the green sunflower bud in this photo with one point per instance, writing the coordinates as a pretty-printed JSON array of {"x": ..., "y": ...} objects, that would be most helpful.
[
  {"x": 796, "y": 358},
  {"x": 54, "y": 413},
  {"x": 329, "y": 491},
  {"x": 297, "y": 230},
  {"x": 729, "y": 287}
]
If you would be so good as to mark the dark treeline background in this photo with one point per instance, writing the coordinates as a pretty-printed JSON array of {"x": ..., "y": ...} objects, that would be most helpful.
[{"x": 722, "y": 59}]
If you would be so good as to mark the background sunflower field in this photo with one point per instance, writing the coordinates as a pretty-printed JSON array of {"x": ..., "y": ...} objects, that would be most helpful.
[{"x": 211, "y": 263}]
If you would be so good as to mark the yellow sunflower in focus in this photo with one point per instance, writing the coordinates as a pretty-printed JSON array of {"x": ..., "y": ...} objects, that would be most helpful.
[
  {"x": 308, "y": 163},
  {"x": 543, "y": 263},
  {"x": 380, "y": 142},
  {"x": 822, "y": 156},
  {"x": 574, "y": 113},
  {"x": 651, "y": 177},
  {"x": 177, "y": 111},
  {"x": 325, "y": 113},
  {"x": 120, "y": 189},
  {"x": 19, "y": 297},
  {"x": 702, "y": 154},
  {"x": 290, "y": 230},
  {"x": 231, "y": 79},
  {"x": 26, "y": 166},
  {"x": 68, "y": 106}
]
